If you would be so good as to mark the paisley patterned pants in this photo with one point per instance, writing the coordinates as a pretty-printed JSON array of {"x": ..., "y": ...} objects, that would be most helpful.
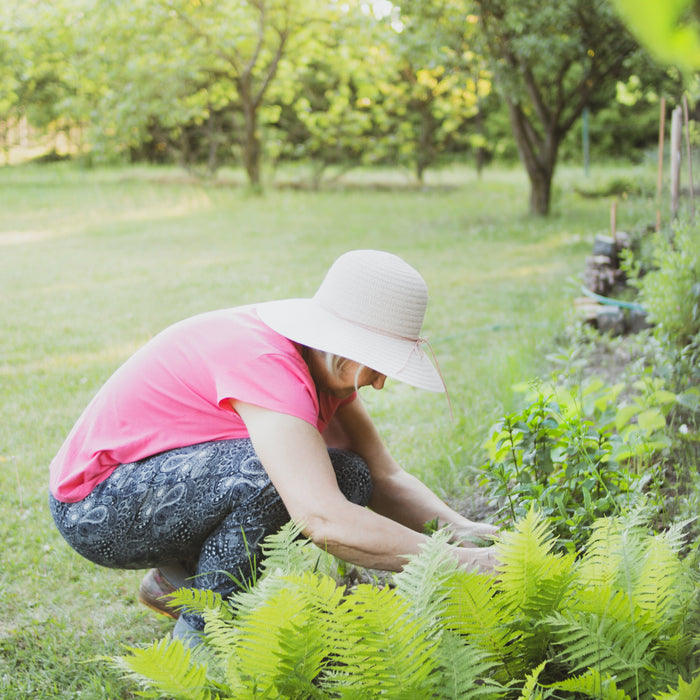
[{"x": 204, "y": 508}]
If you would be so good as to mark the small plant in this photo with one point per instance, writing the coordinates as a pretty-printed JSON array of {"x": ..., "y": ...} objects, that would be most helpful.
[{"x": 580, "y": 454}]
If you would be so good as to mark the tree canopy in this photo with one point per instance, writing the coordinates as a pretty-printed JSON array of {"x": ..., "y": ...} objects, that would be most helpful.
[{"x": 210, "y": 82}]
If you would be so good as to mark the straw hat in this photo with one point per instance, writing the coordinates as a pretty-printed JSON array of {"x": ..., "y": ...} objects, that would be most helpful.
[{"x": 369, "y": 308}]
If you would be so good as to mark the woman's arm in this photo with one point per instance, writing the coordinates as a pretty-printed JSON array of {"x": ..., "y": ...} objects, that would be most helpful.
[
  {"x": 297, "y": 462},
  {"x": 397, "y": 494}
]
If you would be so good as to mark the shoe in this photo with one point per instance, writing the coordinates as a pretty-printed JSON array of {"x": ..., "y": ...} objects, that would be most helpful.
[{"x": 154, "y": 592}]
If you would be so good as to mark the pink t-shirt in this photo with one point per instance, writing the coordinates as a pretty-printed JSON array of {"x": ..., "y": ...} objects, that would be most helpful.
[{"x": 175, "y": 391}]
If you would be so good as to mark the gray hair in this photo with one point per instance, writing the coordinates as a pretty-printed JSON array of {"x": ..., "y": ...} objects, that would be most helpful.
[{"x": 335, "y": 363}]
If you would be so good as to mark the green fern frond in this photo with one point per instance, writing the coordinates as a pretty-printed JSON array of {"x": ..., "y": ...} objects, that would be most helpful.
[
  {"x": 219, "y": 630},
  {"x": 614, "y": 542},
  {"x": 661, "y": 584},
  {"x": 463, "y": 671},
  {"x": 618, "y": 648},
  {"x": 196, "y": 599},
  {"x": 593, "y": 685},
  {"x": 533, "y": 579},
  {"x": 391, "y": 652},
  {"x": 685, "y": 691},
  {"x": 530, "y": 691},
  {"x": 166, "y": 668},
  {"x": 284, "y": 640},
  {"x": 473, "y": 609},
  {"x": 286, "y": 551},
  {"x": 425, "y": 581},
  {"x": 605, "y": 601}
]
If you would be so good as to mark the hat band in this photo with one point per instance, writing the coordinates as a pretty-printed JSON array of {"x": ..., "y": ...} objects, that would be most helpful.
[
  {"x": 417, "y": 342},
  {"x": 373, "y": 329}
]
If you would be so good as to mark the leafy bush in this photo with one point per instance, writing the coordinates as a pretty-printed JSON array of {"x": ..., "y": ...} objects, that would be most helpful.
[
  {"x": 670, "y": 290},
  {"x": 580, "y": 454},
  {"x": 620, "y": 622}
]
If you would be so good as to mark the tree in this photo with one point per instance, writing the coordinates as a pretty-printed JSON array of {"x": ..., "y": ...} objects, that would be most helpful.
[
  {"x": 243, "y": 44},
  {"x": 550, "y": 60},
  {"x": 329, "y": 100},
  {"x": 441, "y": 80},
  {"x": 172, "y": 67}
]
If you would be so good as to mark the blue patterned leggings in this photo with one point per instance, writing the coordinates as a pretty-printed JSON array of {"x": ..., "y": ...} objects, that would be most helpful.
[{"x": 204, "y": 509}]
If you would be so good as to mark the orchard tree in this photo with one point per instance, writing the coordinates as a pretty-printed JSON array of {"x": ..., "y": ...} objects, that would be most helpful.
[
  {"x": 441, "y": 81},
  {"x": 329, "y": 100},
  {"x": 172, "y": 64},
  {"x": 36, "y": 79},
  {"x": 550, "y": 60}
]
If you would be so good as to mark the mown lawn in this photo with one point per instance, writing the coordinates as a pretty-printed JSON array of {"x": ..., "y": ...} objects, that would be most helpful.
[{"x": 93, "y": 263}]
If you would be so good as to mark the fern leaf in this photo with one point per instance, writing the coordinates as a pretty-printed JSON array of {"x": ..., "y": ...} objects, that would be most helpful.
[
  {"x": 685, "y": 691},
  {"x": 613, "y": 542},
  {"x": 166, "y": 666},
  {"x": 473, "y": 609},
  {"x": 197, "y": 600},
  {"x": 425, "y": 580},
  {"x": 593, "y": 685},
  {"x": 661, "y": 585},
  {"x": 284, "y": 640},
  {"x": 618, "y": 648},
  {"x": 286, "y": 552},
  {"x": 463, "y": 670},
  {"x": 530, "y": 686},
  {"x": 531, "y": 577},
  {"x": 392, "y": 653}
]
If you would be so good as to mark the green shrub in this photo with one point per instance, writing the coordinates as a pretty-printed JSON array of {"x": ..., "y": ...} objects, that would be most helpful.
[
  {"x": 579, "y": 454},
  {"x": 670, "y": 290}
]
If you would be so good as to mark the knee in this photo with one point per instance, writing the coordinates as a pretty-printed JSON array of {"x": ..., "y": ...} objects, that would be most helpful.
[{"x": 353, "y": 475}]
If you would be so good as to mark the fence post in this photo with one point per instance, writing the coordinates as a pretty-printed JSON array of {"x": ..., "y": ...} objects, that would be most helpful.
[{"x": 676, "y": 131}]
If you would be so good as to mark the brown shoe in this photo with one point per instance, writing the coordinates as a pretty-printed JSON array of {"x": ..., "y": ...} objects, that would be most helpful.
[{"x": 154, "y": 592}]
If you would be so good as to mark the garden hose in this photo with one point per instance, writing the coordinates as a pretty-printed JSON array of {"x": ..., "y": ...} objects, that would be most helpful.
[{"x": 612, "y": 302}]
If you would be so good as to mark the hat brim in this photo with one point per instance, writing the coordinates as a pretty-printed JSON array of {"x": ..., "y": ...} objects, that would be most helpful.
[{"x": 305, "y": 321}]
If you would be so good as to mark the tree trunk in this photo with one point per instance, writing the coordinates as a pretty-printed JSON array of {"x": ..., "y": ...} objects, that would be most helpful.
[
  {"x": 424, "y": 151},
  {"x": 540, "y": 193},
  {"x": 251, "y": 145},
  {"x": 250, "y": 142},
  {"x": 539, "y": 156}
]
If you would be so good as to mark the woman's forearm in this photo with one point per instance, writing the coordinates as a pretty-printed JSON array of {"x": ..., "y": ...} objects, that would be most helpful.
[
  {"x": 365, "y": 538},
  {"x": 404, "y": 498}
]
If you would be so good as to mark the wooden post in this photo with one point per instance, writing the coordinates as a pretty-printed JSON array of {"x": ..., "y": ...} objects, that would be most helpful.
[
  {"x": 676, "y": 131},
  {"x": 662, "y": 126},
  {"x": 690, "y": 162},
  {"x": 586, "y": 143},
  {"x": 613, "y": 220}
]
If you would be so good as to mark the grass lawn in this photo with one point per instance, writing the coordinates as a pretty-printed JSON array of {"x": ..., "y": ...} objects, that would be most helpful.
[{"x": 93, "y": 263}]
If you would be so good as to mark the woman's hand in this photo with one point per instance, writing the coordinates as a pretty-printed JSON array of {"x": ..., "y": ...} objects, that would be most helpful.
[
  {"x": 481, "y": 558},
  {"x": 471, "y": 534}
]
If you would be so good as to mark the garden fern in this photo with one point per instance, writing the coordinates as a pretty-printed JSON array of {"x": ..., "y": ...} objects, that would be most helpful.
[{"x": 619, "y": 622}]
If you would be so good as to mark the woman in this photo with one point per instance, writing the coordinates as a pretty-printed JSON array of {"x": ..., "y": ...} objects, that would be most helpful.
[{"x": 226, "y": 425}]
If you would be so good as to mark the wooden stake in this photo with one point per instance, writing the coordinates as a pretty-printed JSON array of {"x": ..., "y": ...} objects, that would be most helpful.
[
  {"x": 676, "y": 131},
  {"x": 687, "y": 148},
  {"x": 613, "y": 220},
  {"x": 662, "y": 126}
]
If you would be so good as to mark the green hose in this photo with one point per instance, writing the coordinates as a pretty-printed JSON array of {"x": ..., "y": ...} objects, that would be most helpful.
[{"x": 612, "y": 302}]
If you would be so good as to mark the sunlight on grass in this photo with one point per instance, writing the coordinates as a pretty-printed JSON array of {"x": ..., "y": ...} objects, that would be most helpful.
[{"x": 83, "y": 360}]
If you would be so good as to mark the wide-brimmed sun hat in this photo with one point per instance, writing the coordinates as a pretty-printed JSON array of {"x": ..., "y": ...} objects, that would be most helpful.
[{"x": 370, "y": 309}]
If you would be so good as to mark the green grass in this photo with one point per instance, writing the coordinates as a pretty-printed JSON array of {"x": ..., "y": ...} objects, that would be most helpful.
[{"x": 93, "y": 263}]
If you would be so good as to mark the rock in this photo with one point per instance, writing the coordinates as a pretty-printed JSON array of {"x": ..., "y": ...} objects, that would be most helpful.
[
  {"x": 611, "y": 320},
  {"x": 637, "y": 321},
  {"x": 605, "y": 245}
]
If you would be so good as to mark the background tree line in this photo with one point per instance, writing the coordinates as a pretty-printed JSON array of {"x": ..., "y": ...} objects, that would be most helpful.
[{"x": 207, "y": 83}]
